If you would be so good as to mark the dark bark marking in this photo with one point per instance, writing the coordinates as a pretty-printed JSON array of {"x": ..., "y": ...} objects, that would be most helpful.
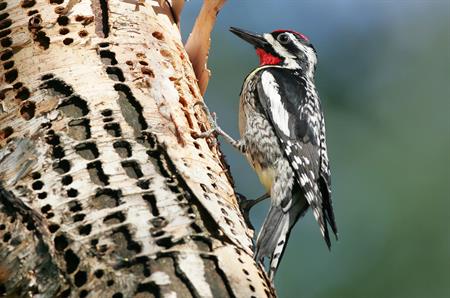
[
  {"x": 11, "y": 75},
  {"x": 27, "y": 109},
  {"x": 64, "y": 31},
  {"x": 4, "y": 16},
  {"x": 72, "y": 193},
  {"x": 147, "y": 71},
  {"x": 53, "y": 228},
  {"x": 79, "y": 129},
  {"x": 113, "y": 129},
  {"x": 151, "y": 200},
  {"x": 23, "y": 93},
  {"x": 84, "y": 20},
  {"x": 67, "y": 41},
  {"x": 106, "y": 198},
  {"x": 5, "y": 33},
  {"x": 101, "y": 17},
  {"x": 131, "y": 108},
  {"x": 132, "y": 169},
  {"x": 219, "y": 286},
  {"x": 72, "y": 261},
  {"x": 75, "y": 206},
  {"x": 42, "y": 39},
  {"x": 6, "y": 132},
  {"x": 60, "y": 242},
  {"x": 6, "y": 42},
  {"x": 87, "y": 150},
  {"x": 80, "y": 278},
  {"x": 56, "y": 86},
  {"x": 37, "y": 185},
  {"x": 85, "y": 230},
  {"x": 83, "y": 33},
  {"x": 32, "y": 12},
  {"x": 123, "y": 149},
  {"x": 6, "y": 55},
  {"x": 108, "y": 57},
  {"x": 126, "y": 246},
  {"x": 97, "y": 174},
  {"x": 220, "y": 274},
  {"x": 51, "y": 138},
  {"x": 158, "y": 35},
  {"x": 78, "y": 217},
  {"x": 5, "y": 24},
  {"x": 66, "y": 180},
  {"x": 115, "y": 73},
  {"x": 8, "y": 64},
  {"x": 143, "y": 184},
  {"x": 159, "y": 157},
  {"x": 27, "y": 3},
  {"x": 185, "y": 279},
  {"x": 63, "y": 20},
  {"x": 58, "y": 152},
  {"x": 106, "y": 113},
  {"x": 114, "y": 218},
  {"x": 62, "y": 166},
  {"x": 74, "y": 107}
]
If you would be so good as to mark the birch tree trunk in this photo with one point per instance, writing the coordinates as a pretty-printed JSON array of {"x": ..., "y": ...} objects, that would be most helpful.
[{"x": 104, "y": 192}]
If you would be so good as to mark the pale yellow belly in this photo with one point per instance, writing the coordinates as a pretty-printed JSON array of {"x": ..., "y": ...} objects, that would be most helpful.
[{"x": 266, "y": 176}]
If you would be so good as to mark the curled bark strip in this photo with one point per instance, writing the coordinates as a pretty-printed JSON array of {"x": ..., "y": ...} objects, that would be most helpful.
[{"x": 199, "y": 41}]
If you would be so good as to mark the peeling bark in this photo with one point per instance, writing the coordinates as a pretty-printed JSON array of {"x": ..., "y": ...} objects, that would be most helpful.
[
  {"x": 199, "y": 41},
  {"x": 103, "y": 190}
]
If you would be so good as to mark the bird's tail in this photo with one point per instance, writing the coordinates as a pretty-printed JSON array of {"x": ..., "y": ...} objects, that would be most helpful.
[{"x": 274, "y": 234}]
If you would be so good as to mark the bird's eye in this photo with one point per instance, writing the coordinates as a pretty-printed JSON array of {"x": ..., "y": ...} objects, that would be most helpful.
[{"x": 283, "y": 38}]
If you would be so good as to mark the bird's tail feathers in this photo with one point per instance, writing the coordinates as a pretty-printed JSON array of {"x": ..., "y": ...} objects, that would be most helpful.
[
  {"x": 328, "y": 206},
  {"x": 274, "y": 234},
  {"x": 272, "y": 238}
]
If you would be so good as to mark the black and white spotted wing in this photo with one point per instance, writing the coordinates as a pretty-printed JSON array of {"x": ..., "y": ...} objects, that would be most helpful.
[{"x": 294, "y": 112}]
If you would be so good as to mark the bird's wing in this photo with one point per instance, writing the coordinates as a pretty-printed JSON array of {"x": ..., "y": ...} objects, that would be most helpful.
[
  {"x": 325, "y": 180},
  {"x": 297, "y": 123}
]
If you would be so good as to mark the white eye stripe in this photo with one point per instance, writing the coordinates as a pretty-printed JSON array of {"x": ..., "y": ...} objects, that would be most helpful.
[
  {"x": 289, "y": 59},
  {"x": 277, "y": 46}
]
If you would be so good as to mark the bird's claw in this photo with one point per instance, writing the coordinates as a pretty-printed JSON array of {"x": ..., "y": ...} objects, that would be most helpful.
[
  {"x": 245, "y": 206},
  {"x": 212, "y": 118}
]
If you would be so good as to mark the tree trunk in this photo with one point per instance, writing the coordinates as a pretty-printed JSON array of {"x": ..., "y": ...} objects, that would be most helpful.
[{"x": 104, "y": 192}]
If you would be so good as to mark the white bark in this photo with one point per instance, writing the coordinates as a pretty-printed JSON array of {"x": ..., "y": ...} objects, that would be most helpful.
[{"x": 104, "y": 192}]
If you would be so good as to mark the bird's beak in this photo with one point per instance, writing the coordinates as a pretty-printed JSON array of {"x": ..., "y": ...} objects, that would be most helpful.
[{"x": 255, "y": 39}]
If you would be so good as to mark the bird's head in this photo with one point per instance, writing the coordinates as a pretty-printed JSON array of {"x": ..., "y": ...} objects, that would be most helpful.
[{"x": 284, "y": 48}]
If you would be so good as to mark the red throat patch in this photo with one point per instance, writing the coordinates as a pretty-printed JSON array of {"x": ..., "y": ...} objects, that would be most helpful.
[{"x": 266, "y": 58}]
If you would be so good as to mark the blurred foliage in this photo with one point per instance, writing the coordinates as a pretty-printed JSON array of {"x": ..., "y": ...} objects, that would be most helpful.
[{"x": 384, "y": 78}]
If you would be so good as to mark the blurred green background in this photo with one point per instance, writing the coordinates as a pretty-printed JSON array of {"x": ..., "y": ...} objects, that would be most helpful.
[{"x": 384, "y": 79}]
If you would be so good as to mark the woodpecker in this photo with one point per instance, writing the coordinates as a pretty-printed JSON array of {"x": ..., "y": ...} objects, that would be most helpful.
[{"x": 282, "y": 130}]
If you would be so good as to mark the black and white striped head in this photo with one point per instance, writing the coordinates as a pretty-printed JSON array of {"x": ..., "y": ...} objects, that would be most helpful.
[{"x": 285, "y": 48}]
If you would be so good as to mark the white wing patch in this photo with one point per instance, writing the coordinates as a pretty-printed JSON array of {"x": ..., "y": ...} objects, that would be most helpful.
[{"x": 279, "y": 114}]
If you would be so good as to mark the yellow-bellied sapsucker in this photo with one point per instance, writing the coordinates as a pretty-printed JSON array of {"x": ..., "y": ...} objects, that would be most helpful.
[{"x": 283, "y": 136}]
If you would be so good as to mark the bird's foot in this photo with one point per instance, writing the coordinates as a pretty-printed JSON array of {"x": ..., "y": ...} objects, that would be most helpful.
[
  {"x": 212, "y": 119},
  {"x": 245, "y": 205}
]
